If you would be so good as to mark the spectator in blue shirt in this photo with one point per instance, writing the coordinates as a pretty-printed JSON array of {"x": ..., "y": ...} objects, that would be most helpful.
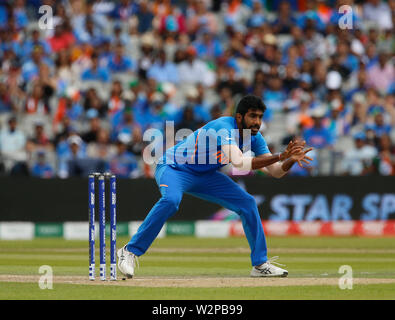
[
  {"x": 119, "y": 36},
  {"x": 163, "y": 70},
  {"x": 375, "y": 104},
  {"x": 275, "y": 96},
  {"x": 360, "y": 87},
  {"x": 124, "y": 163},
  {"x": 291, "y": 55},
  {"x": 200, "y": 99},
  {"x": 257, "y": 18},
  {"x": 6, "y": 104},
  {"x": 200, "y": 114},
  {"x": 311, "y": 14},
  {"x": 145, "y": 18},
  {"x": 96, "y": 73},
  {"x": 155, "y": 116},
  {"x": 42, "y": 169},
  {"x": 7, "y": 43},
  {"x": 370, "y": 58},
  {"x": 276, "y": 4},
  {"x": 118, "y": 62},
  {"x": 188, "y": 120},
  {"x": 140, "y": 107},
  {"x": 125, "y": 9},
  {"x": 379, "y": 127},
  {"x": 89, "y": 33},
  {"x": 207, "y": 47},
  {"x": 285, "y": 20},
  {"x": 31, "y": 68},
  {"x": 346, "y": 58},
  {"x": 391, "y": 89},
  {"x": 251, "y": 3},
  {"x": 3, "y": 16},
  {"x": 35, "y": 40},
  {"x": 318, "y": 136},
  {"x": 126, "y": 125},
  {"x": 74, "y": 110},
  {"x": 105, "y": 52},
  {"x": 72, "y": 149},
  {"x": 19, "y": 12}
]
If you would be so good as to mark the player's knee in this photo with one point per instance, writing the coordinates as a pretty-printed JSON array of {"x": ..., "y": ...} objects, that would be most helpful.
[
  {"x": 171, "y": 203},
  {"x": 249, "y": 202}
]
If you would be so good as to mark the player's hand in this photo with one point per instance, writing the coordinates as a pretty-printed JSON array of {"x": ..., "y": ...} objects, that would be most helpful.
[
  {"x": 294, "y": 146},
  {"x": 297, "y": 142},
  {"x": 300, "y": 157}
]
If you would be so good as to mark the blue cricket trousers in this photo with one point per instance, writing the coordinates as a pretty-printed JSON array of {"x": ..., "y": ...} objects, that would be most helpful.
[{"x": 214, "y": 187}]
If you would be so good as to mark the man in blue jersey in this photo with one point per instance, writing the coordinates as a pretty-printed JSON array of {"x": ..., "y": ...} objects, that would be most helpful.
[{"x": 192, "y": 167}]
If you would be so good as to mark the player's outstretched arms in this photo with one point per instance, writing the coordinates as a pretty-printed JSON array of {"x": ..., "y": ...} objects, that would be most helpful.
[
  {"x": 280, "y": 169},
  {"x": 236, "y": 157},
  {"x": 274, "y": 163}
]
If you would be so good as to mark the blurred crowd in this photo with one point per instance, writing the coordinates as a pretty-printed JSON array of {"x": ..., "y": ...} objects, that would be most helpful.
[{"x": 79, "y": 89}]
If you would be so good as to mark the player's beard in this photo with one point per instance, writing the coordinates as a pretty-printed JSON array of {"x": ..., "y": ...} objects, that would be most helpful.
[{"x": 244, "y": 125}]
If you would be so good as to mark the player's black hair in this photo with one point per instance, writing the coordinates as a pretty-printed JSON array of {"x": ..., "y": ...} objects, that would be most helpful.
[{"x": 250, "y": 102}]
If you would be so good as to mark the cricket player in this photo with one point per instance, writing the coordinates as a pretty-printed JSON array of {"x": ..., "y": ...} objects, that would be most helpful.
[{"x": 192, "y": 166}]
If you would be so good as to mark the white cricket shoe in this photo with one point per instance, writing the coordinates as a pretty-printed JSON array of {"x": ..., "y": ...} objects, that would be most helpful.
[
  {"x": 127, "y": 262},
  {"x": 268, "y": 269}
]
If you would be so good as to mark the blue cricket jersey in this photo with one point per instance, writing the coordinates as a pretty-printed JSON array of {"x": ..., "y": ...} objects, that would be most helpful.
[{"x": 201, "y": 151}]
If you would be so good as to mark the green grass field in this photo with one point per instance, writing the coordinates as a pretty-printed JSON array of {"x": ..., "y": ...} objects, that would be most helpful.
[{"x": 177, "y": 268}]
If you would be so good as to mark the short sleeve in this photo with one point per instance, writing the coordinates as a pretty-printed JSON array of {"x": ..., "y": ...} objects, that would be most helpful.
[
  {"x": 259, "y": 145},
  {"x": 226, "y": 134},
  {"x": 227, "y": 138}
]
